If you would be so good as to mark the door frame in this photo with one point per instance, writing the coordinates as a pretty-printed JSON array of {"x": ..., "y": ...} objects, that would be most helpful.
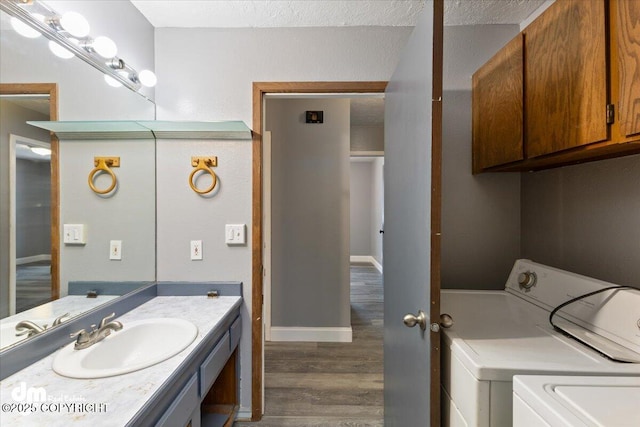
[
  {"x": 259, "y": 90},
  {"x": 50, "y": 89}
]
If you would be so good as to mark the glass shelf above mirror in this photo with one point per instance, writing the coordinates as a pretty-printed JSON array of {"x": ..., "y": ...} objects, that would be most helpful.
[{"x": 149, "y": 129}]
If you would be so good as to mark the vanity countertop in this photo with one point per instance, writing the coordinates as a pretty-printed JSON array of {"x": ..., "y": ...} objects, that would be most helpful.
[{"x": 114, "y": 400}]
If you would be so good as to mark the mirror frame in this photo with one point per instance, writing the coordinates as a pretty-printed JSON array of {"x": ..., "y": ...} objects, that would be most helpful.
[{"x": 50, "y": 89}]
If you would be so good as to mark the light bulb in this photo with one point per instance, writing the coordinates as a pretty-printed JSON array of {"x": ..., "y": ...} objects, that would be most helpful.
[
  {"x": 23, "y": 29},
  {"x": 147, "y": 78},
  {"x": 41, "y": 151},
  {"x": 59, "y": 51},
  {"x": 105, "y": 47},
  {"x": 111, "y": 81},
  {"x": 75, "y": 24}
]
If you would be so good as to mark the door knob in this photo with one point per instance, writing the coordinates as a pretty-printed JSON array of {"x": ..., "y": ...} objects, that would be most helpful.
[
  {"x": 411, "y": 320},
  {"x": 446, "y": 321}
]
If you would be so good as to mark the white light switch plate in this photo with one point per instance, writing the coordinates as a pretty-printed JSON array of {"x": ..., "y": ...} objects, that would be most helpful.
[
  {"x": 235, "y": 234},
  {"x": 74, "y": 234}
]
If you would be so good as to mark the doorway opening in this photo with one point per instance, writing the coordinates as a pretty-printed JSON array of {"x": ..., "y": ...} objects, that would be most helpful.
[
  {"x": 263, "y": 142},
  {"x": 29, "y": 226},
  {"x": 30, "y": 188}
]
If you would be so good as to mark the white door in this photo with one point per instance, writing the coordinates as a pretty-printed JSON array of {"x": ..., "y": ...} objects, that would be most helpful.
[{"x": 408, "y": 271}]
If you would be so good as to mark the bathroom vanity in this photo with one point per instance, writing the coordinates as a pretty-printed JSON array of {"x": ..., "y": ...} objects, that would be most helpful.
[{"x": 197, "y": 386}]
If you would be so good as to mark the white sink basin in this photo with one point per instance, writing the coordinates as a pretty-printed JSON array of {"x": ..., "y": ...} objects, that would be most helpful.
[{"x": 138, "y": 345}]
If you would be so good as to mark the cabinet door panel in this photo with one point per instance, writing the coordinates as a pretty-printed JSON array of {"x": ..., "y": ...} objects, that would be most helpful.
[
  {"x": 497, "y": 108},
  {"x": 628, "y": 43},
  {"x": 565, "y": 77}
]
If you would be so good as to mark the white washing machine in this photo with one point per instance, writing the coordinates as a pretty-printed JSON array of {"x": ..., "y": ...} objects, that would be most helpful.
[
  {"x": 499, "y": 334},
  {"x": 543, "y": 401}
]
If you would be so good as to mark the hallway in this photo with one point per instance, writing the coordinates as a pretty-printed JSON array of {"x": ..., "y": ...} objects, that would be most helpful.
[{"x": 312, "y": 384}]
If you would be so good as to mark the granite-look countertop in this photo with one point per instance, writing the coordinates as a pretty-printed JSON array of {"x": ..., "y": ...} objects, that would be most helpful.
[
  {"x": 45, "y": 314},
  {"x": 111, "y": 401}
]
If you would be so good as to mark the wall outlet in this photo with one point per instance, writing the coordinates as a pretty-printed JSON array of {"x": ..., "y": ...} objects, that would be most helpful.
[
  {"x": 115, "y": 249},
  {"x": 196, "y": 250}
]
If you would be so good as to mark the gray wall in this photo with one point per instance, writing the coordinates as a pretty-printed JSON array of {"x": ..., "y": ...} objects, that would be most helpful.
[
  {"x": 33, "y": 208},
  {"x": 12, "y": 121},
  {"x": 218, "y": 86},
  {"x": 585, "y": 219},
  {"x": 367, "y": 205},
  {"x": 377, "y": 211},
  {"x": 310, "y": 211},
  {"x": 367, "y": 138},
  {"x": 480, "y": 214},
  {"x": 127, "y": 214},
  {"x": 360, "y": 208}
]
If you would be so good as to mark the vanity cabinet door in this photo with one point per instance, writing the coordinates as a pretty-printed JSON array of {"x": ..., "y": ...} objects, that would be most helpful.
[
  {"x": 627, "y": 43},
  {"x": 498, "y": 109},
  {"x": 185, "y": 409},
  {"x": 566, "y": 77}
]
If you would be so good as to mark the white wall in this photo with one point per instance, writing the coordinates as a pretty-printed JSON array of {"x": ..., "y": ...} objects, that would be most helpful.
[
  {"x": 480, "y": 214},
  {"x": 207, "y": 74},
  {"x": 360, "y": 208}
]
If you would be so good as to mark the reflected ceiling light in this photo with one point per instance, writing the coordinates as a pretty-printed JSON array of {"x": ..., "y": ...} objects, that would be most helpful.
[
  {"x": 41, "y": 151},
  {"x": 104, "y": 47},
  {"x": 75, "y": 24},
  {"x": 70, "y": 36},
  {"x": 60, "y": 51},
  {"x": 147, "y": 78},
  {"x": 25, "y": 30},
  {"x": 111, "y": 81}
]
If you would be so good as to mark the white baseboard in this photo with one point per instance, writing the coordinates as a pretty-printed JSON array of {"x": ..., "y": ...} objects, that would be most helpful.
[
  {"x": 34, "y": 258},
  {"x": 299, "y": 333},
  {"x": 366, "y": 258}
]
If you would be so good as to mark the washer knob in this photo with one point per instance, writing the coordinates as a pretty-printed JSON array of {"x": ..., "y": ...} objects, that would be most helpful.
[{"x": 527, "y": 279}]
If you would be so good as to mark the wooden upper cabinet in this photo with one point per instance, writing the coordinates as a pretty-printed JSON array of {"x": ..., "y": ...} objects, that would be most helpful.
[
  {"x": 498, "y": 108},
  {"x": 566, "y": 77},
  {"x": 627, "y": 42}
]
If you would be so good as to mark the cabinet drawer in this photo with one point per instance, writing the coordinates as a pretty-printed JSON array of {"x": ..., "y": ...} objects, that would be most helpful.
[
  {"x": 213, "y": 364},
  {"x": 183, "y": 407},
  {"x": 235, "y": 331}
]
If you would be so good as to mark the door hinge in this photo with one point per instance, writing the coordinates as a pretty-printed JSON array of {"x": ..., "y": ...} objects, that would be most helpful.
[{"x": 611, "y": 113}]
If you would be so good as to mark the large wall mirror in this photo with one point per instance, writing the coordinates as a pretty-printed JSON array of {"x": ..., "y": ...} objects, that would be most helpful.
[{"x": 38, "y": 192}]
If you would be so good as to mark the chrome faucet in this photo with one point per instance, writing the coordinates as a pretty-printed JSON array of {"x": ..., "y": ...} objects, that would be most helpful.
[
  {"x": 28, "y": 328},
  {"x": 87, "y": 339},
  {"x": 58, "y": 320}
]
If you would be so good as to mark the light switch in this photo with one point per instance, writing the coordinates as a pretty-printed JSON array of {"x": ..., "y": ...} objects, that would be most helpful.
[
  {"x": 196, "y": 250},
  {"x": 74, "y": 234},
  {"x": 115, "y": 249},
  {"x": 235, "y": 234}
]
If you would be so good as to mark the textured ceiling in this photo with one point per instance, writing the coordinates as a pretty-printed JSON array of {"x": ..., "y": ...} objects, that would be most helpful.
[{"x": 326, "y": 13}]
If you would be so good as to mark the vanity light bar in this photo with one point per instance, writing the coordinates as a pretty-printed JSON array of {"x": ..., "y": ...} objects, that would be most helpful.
[{"x": 50, "y": 27}]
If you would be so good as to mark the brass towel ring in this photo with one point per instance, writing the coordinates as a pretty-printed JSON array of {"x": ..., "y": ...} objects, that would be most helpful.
[
  {"x": 203, "y": 164},
  {"x": 104, "y": 165}
]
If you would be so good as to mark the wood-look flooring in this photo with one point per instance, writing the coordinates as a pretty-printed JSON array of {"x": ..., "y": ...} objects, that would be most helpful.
[
  {"x": 33, "y": 285},
  {"x": 310, "y": 384}
]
